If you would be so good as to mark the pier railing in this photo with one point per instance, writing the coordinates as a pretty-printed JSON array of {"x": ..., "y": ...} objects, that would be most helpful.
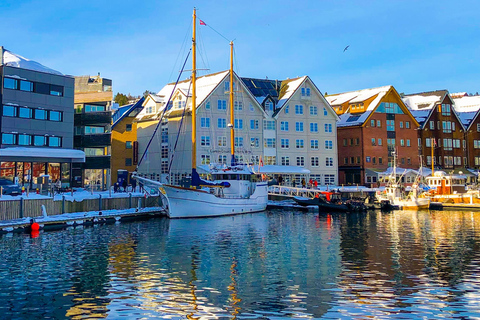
[
  {"x": 292, "y": 191},
  {"x": 23, "y": 208}
]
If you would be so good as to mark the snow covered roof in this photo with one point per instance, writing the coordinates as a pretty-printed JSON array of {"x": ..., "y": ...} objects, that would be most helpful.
[
  {"x": 348, "y": 119},
  {"x": 42, "y": 154},
  {"x": 14, "y": 60},
  {"x": 467, "y": 104},
  {"x": 290, "y": 87},
  {"x": 424, "y": 101}
]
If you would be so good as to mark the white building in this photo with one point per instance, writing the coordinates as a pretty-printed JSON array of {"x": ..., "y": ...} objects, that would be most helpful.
[{"x": 276, "y": 122}]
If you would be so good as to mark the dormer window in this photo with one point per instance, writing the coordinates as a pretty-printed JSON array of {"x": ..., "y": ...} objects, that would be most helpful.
[
  {"x": 305, "y": 92},
  {"x": 268, "y": 106}
]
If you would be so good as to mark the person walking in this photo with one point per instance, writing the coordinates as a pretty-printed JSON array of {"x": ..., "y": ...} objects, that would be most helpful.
[
  {"x": 315, "y": 183},
  {"x": 304, "y": 183}
]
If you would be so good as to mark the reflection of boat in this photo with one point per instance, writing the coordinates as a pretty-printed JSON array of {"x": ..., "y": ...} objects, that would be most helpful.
[{"x": 233, "y": 189}]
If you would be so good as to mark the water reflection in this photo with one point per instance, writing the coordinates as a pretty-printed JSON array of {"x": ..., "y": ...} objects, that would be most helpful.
[{"x": 258, "y": 266}]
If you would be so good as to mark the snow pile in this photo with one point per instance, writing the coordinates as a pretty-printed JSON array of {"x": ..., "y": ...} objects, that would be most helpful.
[{"x": 14, "y": 60}]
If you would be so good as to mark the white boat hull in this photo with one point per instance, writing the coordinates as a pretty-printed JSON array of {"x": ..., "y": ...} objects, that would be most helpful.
[
  {"x": 414, "y": 204},
  {"x": 192, "y": 203}
]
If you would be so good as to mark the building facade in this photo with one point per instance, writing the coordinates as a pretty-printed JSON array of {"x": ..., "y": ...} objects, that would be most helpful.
[
  {"x": 36, "y": 122},
  {"x": 92, "y": 121},
  {"x": 468, "y": 108},
  {"x": 291, "y": 125},
  {"x": 441, "y": 133},
  {"x": 375, "y": 129},
  {"x": 124, "y": 141}
]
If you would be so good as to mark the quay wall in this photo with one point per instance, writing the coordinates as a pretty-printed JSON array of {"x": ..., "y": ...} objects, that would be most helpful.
[{"x": 23, "y": 208}]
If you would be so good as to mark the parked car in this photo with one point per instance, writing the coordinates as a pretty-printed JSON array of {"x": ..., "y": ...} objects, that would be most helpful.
[{"x": 10, "y": 188}]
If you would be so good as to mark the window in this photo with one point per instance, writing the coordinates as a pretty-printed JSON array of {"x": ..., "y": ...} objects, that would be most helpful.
[
  {"x": 379, "y": 123},
  {"x": 325, "y": 112},
  {"x": 407, "y": 124},
  {"x": 55, "y": 115},
  {"x": 94, "y": 130},
  {"x": 432, "y": 125},
  {"x": 94, "y": 151},
  {"x": 372, "y": 123},
  {"x": 40, "y": 114},
  {"x": 26, "y": 85},
  {"x": 268, "y": 106},
  {"x": 268, "y": 125},
  {"x": 286, "y": 109},
  {"x": 269, "y": 143},
  {"x": 445, "y": 109},
  {"x": 24, "y": 112},
  {"x": 239, "y": 124},
  {"x": 328, "y": 127},
  {"x": 447, "y": 126},
  {"x": 254, "y": 143},
  {"x": 128, "y": 162},
  {"x": 205, "y": 141},
  {"x": 313, "y": 127},
  {"x": 419, "y": 142},
  {"x": 9, "y": 83},
  {"x": 408, "y": 142},
  {"x": 298, "y": 109},
  {"x": 254, "y": 124},
  {"x": 128, "y": 144},
  {"x": 314, "y": 161},
  {"x": 368, "y": 159},
  {"x": 222, "y": 123},
  {"x": 238, "y": 141},
  {"x": 328, "y": 144},
  {"x": 9, "y": 138},
  {"x": 238, "y": 105},
  {"x": 456, "y": 143},
  {"x": 478, "y": 127},
  {"x": 313, "y": 110},
  {"x": 9, "y": 111},
  {"x": 94, "y": 108},
  {"x": 344, "y": 142},
  {"x": 24, "y": 140},
  {"x": 329, "y": 179},
  {"x": 128, "y": 127},
  {"x": 402, "y": 143},
  {"x": 299, "y": 144},
  {"x": 284, "y": 126},
  {"x": 205, "y": 158},
  {"x": 329, "y": 161},
  {"x": 428, "y": 142},
  {"x": 379, "y": 141},
  {"x": 226, "y": 86},
  {"x": 380, "y": 160},
  {"x": 39, "y": 141},
  {"x": 401, "y": 124},
  {"x": 56, "y": 90},
  {"x": 373, "y": 142},
  {"x": 285, "y": 143},
  {"x": 300, "y": 161},
  {"x": 390, "y": 125},
  {"x": 299, "y": 126},
  {"x": 222, "y": 104},
  {"x": 222, "y": 159},
  {"x": 285, "y": 161},
  {"x": 207, "y": 105},
  {"x": 222, "y": 141}
]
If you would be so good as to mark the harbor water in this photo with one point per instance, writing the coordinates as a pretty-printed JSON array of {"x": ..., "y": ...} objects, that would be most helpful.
[{"x": 271, "y": 265}]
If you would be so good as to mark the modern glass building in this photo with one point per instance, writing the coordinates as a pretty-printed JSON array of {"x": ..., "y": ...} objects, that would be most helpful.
[{"x": 36, "y": 122}]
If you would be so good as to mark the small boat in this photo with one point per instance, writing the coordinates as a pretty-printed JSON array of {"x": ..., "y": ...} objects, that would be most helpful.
[{"x": 331, "y": 202}]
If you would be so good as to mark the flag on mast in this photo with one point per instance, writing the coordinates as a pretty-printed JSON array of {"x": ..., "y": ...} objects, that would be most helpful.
[{"x": 202, "y": 23}]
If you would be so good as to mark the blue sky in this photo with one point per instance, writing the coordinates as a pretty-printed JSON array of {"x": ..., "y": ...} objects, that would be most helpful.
[{"x": 414, "y": 45}]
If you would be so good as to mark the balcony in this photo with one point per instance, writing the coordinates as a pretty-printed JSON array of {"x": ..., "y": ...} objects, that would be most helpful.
[
  {"x": 93, "y": 118},
  {"x": 93, "y": 140}
]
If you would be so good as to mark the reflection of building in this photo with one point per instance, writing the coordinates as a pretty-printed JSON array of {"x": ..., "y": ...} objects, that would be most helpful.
[
  {"x": 93, "y": 118},
  {"x": 36, "y": 122},
  {"x": 124, "y": 138}
]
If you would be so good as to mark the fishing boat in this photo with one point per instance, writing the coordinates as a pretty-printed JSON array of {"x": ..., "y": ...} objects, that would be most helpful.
[
  {"x": 331, "y": 202},
  {"x": 232, "y": 189}
]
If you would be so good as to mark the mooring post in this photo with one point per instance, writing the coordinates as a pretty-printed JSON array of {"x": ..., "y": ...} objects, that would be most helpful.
[
  {"x": 130, "y": 201},
  {"x": 21, "y": 207},
  {"x": 99, "y": 202},
  {"x": 1, "y": 192},
  {"x": 63, "y": 204}
]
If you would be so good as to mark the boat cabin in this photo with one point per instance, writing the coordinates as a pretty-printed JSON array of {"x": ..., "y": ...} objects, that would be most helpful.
[{"x": 444, "y": 183}]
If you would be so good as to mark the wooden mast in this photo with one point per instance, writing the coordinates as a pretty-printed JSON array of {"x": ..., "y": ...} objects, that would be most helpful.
[
  {"x": 432, "y": 141},
  {"x": 194, "y": 96},
  {"x": 232, "y": 115}
]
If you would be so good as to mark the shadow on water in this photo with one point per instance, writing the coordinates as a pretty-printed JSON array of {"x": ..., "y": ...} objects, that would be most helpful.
[{"x": 268, "y": 265}]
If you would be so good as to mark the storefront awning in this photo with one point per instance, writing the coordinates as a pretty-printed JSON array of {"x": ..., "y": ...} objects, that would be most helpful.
[{"x": 42, "y": 155}]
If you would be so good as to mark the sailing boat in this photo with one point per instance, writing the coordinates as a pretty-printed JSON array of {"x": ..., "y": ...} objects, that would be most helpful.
[
  {"x": 232, "y": 190},
  {"x": 395, "y": 195}
]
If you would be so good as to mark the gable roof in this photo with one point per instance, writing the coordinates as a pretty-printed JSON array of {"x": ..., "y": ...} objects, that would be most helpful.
[
  {"x": 422, "y": 105},
  {"x": 468, "y": 108},
  {"x": 347, "y": 119},
  {"x": 14, "y": 60},
  {"x": 125, "y": 111}
]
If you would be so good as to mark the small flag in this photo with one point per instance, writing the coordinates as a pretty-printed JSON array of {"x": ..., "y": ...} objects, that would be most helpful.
[{"x": 202, "y": 23}]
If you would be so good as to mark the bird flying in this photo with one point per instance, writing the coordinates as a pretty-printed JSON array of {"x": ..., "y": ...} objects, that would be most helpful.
[{"x": 346, "y": 48}]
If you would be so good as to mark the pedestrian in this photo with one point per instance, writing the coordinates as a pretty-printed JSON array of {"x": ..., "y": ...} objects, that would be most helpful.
[
  {"x": 315, "y": 183},
  {"x": 304, "y": 183},
  {"x": 134, "y": 184},
  {"x": 115, "y": 187},
  {"x": 294, "y": 182},
  {"x": 124, "y": 185},
  {"x": 280, "y": 180},
  {"x": 310, "y": 183},
  {"x": 58, "y": 186}
]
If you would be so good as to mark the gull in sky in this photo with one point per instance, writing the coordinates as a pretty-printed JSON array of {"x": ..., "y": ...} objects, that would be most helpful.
[{"x": 346, "y": 48}]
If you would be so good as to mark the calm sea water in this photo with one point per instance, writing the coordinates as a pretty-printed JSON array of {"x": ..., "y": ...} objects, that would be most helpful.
[{"x": 271, "y": 265}]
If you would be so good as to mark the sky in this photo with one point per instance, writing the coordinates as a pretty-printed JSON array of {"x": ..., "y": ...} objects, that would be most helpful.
[{"x": 415, "y": 46}]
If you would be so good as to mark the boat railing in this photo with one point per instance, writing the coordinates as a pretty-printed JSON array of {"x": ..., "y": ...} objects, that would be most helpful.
[{"x": 293, "y": 191}]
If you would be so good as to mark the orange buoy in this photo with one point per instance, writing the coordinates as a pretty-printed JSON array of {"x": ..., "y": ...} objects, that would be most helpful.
[{"x": 35, "y": 227}]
